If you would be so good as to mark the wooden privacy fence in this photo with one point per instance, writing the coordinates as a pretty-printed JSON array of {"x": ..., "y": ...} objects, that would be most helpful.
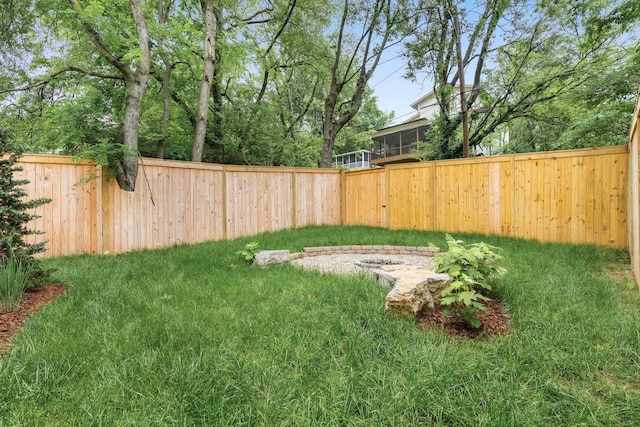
[
  {"x": 174, "y": 202},
  {"x": 577, "y": 196}
]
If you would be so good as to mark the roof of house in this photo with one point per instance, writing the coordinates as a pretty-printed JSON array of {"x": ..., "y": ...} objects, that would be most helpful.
[
  {"x": 400, "y": 127},
  {"x": 431, "y": 94}
]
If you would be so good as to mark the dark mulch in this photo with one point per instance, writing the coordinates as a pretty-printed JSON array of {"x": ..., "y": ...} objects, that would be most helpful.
[
  {"x": 33, "y": 300},
  {"x": 494, "y": 322}
]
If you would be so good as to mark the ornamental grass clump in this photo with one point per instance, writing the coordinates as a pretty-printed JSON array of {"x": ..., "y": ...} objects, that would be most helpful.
[
  {"x": 470, "y": 268},
  {"x": 14, "y": 277}
]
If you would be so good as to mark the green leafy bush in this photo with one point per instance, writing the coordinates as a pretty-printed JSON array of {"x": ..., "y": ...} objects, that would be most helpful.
[
  {"x": 470, "y": 268},
  {"x": 248, "y": 254},
  {"x": 14, "y": 277}
]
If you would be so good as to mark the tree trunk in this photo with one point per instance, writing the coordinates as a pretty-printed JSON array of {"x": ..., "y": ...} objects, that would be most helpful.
[
  {"x": 127, "y": 168},
  {"x": 216, "y": 96},
  {"x": 207, "y": 78}
]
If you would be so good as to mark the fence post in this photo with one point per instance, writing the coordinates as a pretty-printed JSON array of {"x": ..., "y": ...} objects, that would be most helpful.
[
  {"x": 387, "y": 197},
  {"x": 294, "y": 201},
  {"x": 104, "y": 211},
  {"x": 343, "y": 196},
  {"x": 224, "y": 203}
]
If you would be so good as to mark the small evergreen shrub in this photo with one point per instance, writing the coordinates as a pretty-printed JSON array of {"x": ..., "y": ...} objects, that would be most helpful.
[
  {"x": 470, "y": 268},
  {"x": 14, "y": 218}
]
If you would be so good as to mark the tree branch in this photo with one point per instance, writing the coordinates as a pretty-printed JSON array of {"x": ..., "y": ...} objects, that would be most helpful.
[
  {"x": 265, "y": 79},
  {"x": 69, "y": 68},
  {"x": 94, "y": 37}
]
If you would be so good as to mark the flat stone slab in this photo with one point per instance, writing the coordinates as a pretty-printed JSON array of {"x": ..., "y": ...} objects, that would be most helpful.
[{"x": 265, "y": 258}]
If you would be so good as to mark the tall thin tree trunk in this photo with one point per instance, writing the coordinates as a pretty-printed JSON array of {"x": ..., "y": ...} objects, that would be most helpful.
[{"x": 207, "y": 78}]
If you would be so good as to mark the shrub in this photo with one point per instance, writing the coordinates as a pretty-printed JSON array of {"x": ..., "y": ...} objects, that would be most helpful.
[
  {"x": 248, "y": 254},
  {"x": 14, "y": 217},
  {"x": 470, "y": 268},
  {"x": 14, "y": 276}
]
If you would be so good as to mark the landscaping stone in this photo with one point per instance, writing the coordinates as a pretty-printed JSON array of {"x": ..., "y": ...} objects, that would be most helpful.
[
  {"x": 264, "y": 258},
  {"x": 414, "y": 290}
]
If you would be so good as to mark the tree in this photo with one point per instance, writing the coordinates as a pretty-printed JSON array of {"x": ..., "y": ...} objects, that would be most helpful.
[
  {"x": 595, "y": 114},
  {"x": 208, "y": 13},
  {"x": 354, "y": 61},
  {"x": 135, "y": 80},
  {"x": 266, "y": 73},
  {"x": 541, "y": 54},
  {"x": 131, "y": 63},
  {"x": 435, "y": 48}
]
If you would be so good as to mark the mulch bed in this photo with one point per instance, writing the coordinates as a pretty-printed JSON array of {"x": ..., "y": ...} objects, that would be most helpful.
[
  {"x": 494, "y": 322},
  {"x": 33, "y": 300}
]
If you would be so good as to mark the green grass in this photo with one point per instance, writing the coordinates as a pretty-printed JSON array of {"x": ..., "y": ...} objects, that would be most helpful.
[{"x": 191, "y": 336}]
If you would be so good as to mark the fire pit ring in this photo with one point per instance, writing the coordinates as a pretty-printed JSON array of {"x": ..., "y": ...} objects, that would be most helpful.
[{"x": 378, "y": 262}]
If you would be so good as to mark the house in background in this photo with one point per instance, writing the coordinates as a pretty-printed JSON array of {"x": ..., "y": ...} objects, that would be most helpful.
[
  {"x": 360, "y": 159},
  {"x": 398, "y": 143}
]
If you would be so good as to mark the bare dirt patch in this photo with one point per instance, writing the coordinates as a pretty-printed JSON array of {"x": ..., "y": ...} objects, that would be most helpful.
[{"x": 33, "y": 300}]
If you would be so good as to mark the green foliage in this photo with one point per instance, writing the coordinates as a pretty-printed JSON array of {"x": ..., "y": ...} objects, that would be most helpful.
[
  {"x": 14, "y": 217},
  {"x": 248, "y": 254},
  {"x": 443, "y": 140},
  {"x": 356, "y": 135},
  {"x": 14, "y": 279},
  {"x": 470, "y": 268},
  {"x": 272, "y": 75}
]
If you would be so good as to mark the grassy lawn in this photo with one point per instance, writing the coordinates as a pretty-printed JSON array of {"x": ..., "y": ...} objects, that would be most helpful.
[{"x": 190, "y": 336}]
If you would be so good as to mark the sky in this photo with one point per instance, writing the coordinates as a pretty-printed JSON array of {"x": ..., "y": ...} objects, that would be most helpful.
[{"x": 394, "y": 92}]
